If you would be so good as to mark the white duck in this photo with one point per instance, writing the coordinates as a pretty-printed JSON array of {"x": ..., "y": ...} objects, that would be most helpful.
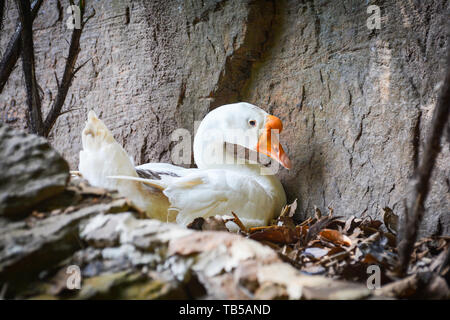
[{"x": 217, "y": 187}]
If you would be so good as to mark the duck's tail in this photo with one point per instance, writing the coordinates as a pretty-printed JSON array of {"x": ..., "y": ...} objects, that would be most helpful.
[
  {"x": 102, "y": 156},
  {"x": 158, "y": 184}
]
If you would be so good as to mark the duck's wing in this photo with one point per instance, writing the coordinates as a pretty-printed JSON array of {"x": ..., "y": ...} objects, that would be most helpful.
[
  {"x": 164, "y": 172},
  {"x": 220, "y": 192},
  {"x": 204, "y": 193}
]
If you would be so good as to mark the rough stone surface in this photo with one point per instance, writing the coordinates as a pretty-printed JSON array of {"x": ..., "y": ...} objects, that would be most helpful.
[
  {"x": 30, "y": 171},
  {"x": 120, "y": 256},
  {"x": 356, "y": 103},
  {"x": 151, "y": 259},
  {"x": 26, "y": 250}
]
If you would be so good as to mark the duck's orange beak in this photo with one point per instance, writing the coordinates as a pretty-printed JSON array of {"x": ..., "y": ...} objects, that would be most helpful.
[{"x": 269, "y": 145}]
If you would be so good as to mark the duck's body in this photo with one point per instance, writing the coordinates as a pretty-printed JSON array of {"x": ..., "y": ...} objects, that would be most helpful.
[{"x": 172, "y": 193}]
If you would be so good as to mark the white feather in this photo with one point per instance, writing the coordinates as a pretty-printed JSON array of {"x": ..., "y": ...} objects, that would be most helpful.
[{"x": 185, "y": 193}]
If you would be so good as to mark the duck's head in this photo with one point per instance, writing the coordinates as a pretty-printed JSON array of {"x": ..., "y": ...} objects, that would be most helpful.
[{"x": 241, "y": 124}]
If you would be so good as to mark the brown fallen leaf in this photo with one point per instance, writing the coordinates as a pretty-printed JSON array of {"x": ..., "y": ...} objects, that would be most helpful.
[
  {"x": 351, "y": 224},
  {"x": 368, "y": 231},
  {"x": 392, "y": 239},
  {"x": 330, "y": 211},
  {"x": 315, "y": 228},
  {"x": 335, "y": 237},
  {"x": 390, "y": 219},
  {"x": 373, "y": 224},
  {"x": 279, "y": 234},
  {"x": 301, "y": 231},
  {"x": 336, "y": 224},
  {"x": 317, "y": 213},
  {"x": 335, "y": 250},
  {"x": 370, "y": 259},
  {"x": 289, "y": 210}
]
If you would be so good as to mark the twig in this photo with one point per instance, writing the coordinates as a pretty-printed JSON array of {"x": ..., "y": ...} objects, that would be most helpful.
[
  {"x": 89, "y": 18},
  {"x": 14, "y": 48},
  {"x": 239, "y": 222},
  {"x": 2, "y": 10},
  {"x": 56, "y": 78},
  {"x": 81, "y": 66},
  {"x": 70, "y": 110},
  {"x": 69, "y": 72},
  {"x": 421, "y": 181},
  {"x": 28, "y": 66}
]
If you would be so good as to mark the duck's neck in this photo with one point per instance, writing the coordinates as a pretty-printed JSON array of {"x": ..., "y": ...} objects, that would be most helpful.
[{"x": 209, "y": 154}]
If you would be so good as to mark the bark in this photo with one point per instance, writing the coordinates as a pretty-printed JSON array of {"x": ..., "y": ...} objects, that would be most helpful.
[
  {"x": 34, "y": 114},
  {"x": 68, "y": 76},
  {"x": 13, "y": 49}
]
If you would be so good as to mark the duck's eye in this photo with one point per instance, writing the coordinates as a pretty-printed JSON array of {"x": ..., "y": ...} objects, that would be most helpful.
[{"x": 252, "y": 123}]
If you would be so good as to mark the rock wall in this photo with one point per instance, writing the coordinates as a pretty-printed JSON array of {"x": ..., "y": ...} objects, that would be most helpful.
[{"x": 356, "y": 103}]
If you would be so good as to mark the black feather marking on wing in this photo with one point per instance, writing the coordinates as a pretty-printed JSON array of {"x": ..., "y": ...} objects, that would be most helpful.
[{"x": 155, "y": 175}]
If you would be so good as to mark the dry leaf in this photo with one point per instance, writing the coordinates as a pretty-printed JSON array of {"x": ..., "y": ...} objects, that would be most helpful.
[
  {"x": 351, "y": 224},
  {"x": 301, "y": 231},
  {"x": 317, "y": 213},
  {"x": 335, "y": 237},
  {"x": 390, "y": 219},
  {"x": 289, "y": 210},
  {"x": 279, "y": 234},
  {"x": 315, "y": 228}
]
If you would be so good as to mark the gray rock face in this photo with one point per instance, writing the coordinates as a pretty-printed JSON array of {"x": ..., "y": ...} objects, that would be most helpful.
[
  {"x": 355, "y": 103},
  {"x": 34, "y": 245},
  {"x": 30, "y": 171},
  {"x": 149, "y": 259}
]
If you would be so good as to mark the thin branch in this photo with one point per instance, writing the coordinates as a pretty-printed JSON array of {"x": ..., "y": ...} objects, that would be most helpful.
[
  {"x": 69, "y": 73},
  {"x": 28, "y": 66},
  {"x": 89, "y": 17},
  {"x": 56, "y": 78},
  {"x": 421, "y": 181},
  {"x": 2, "y": 10},
  {"x": 14, "y": 48},
  {"x": 81, "y": 66},
  {"x": 68, "y": 111}
]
